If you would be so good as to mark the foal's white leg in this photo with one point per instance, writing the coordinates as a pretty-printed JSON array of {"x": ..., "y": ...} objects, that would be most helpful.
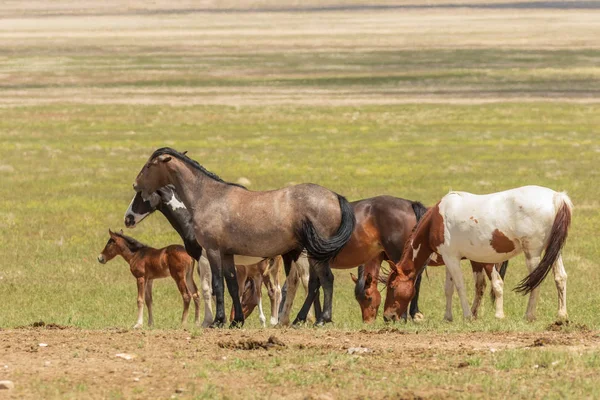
[
  {"x": 275, "y": 296},
  {"x": 498, "y": 288},
  {"x": 453, "y": 266},
  {"x": 148, "y": 295},
  {"x": 206, "y": 287},
  {"x": 258, "y": 293},
  {"x": 479, "y": 277},
  {"x": 532, "y": 261},
  {"x": 560, "y": 278},
  {"x": 292, "y": 285},
  {"x": 449, "y": 289}
]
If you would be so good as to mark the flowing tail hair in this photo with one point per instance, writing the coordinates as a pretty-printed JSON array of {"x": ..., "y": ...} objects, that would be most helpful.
[
  {"x": 558, "y": 236},
  {"x": 325, "y": 250}
]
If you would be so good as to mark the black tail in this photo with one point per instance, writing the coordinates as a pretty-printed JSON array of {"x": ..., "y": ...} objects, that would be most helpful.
[
  {"x": 324, "y": 250},
  {"x": 558, "y": 236},
  {"x": 502, "y": 272},
  {"x": 419, "y": 209}
]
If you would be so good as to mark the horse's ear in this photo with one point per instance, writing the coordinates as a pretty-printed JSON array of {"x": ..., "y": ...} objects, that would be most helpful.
[
  {"x": 121, "y": 231},
  {"x": 184, "y": 153},
  {"x": 164, "y": 158},
  {"x": 392, "y": 265},
  {"x": 355, "y": 279}
]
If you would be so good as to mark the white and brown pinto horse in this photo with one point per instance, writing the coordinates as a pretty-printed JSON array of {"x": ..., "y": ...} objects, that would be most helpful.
[{"x": 487, "y": 228}]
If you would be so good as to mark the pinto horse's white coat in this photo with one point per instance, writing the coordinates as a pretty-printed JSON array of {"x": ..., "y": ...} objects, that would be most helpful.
[{"x": 522, "y": 217}]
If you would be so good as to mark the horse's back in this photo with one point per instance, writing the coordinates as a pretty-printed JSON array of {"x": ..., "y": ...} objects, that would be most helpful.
[
  {"x": 503, "y": 222},
  {"x": 176, "y": 255}
]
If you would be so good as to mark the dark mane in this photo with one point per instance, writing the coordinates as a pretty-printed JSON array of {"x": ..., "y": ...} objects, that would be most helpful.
[
  {"x": 192, "y": 163},
  {"x": 133, "y": 244}
]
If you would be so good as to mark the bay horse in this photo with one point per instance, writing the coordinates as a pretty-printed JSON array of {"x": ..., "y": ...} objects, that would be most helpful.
[
  {"x": 230, "y": 220},
  {"x": 147, "y": 264},
  {"x": 167, "y": 201},
  {"x": 488, "y": 228}
]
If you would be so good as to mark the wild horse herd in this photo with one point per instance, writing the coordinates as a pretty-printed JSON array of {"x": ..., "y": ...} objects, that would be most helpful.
[{"x": 247, "y": 235}]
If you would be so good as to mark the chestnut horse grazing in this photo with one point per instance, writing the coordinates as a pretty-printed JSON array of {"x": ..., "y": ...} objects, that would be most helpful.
[
  {"x": 229, "y": 220},
  {"x": 147, "y": 264},
  {"x": 488, "y": 228}
]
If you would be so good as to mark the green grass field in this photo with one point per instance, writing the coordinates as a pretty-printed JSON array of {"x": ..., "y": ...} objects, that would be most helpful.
[{"x": 364, "y": 103}]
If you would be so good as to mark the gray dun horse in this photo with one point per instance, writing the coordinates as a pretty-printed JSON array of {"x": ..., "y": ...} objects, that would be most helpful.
[{"x": 230, "y": 220}]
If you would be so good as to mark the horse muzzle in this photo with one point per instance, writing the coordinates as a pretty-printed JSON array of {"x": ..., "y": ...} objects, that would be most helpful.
[
  {"x": 101, "y": 259},
  {"x": 129, "y": 221}
]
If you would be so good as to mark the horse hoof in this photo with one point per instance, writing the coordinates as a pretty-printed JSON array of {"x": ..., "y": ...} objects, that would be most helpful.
[
  {"x": 418, "y": 317},
  {"x": 321, "y": 323},
  {"x": 137, "y": 326},
  {"x": 217, "y": 324},
  {"x": 236, "y": 324},
  {"x": 298, "y": 323}
]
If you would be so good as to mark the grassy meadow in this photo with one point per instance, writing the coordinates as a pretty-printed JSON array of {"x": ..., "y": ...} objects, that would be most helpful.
[{"x": 409, "y": 103}]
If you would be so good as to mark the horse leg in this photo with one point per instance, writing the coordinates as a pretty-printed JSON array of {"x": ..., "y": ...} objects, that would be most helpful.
[
  {"x": 498, "y": 289},
  {"x": 479, "y": 278},
  {"x": 148, "y": 295},
  {"x": 186, "y": 295},
  {"x": 232, "y": 286},
  {"x": 258, "y": 294},
  {"x": 291, "y": 282},
  {"x": 532, "y": 260},
  {"x": 206, "y": 287},
  {"x": 414, "y": 303},
  {"x": 312, "y": 292},
  {"x": 449, "y": 290},
  {"x": 140, "y": 302},
  {"x": 189, "y": 280},
  {"x": 288, "y": 265},
  {"x": 560, "y": 278},
  {"x": 274, "y": 289},
  {"x": 214, "y": 258},
  {"x": 453, "y": 266},
  {"x": 326, "y": 279},
  {"x": 241, "y": 273},
  {"x": 304, "y": 275}
]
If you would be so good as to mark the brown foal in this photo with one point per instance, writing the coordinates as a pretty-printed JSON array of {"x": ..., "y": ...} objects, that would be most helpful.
[
  {"x": 250, "y": 280},
  {"x": 147, "y": 264}
]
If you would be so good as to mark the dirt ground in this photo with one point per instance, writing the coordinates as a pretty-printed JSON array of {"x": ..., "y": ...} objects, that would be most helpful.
[{"x": 55, "y": 361}]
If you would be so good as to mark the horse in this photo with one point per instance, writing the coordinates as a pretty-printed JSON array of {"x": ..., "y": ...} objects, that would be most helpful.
[
  {"x": 383, "y": 224},
  {"x": 147, "y": 264},
  {"x": 487, "y": 228},
  {"x": 167, "y": 201},
  {"x": 250, "y": 280},
  {"x": 230, "y": 220}
]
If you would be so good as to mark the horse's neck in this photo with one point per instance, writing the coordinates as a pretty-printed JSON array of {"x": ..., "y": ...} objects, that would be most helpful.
[
  {"x": 196, "y": 189},
  {"x": 180, "y": 221},
  {"x": 127, "y": 254}
]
